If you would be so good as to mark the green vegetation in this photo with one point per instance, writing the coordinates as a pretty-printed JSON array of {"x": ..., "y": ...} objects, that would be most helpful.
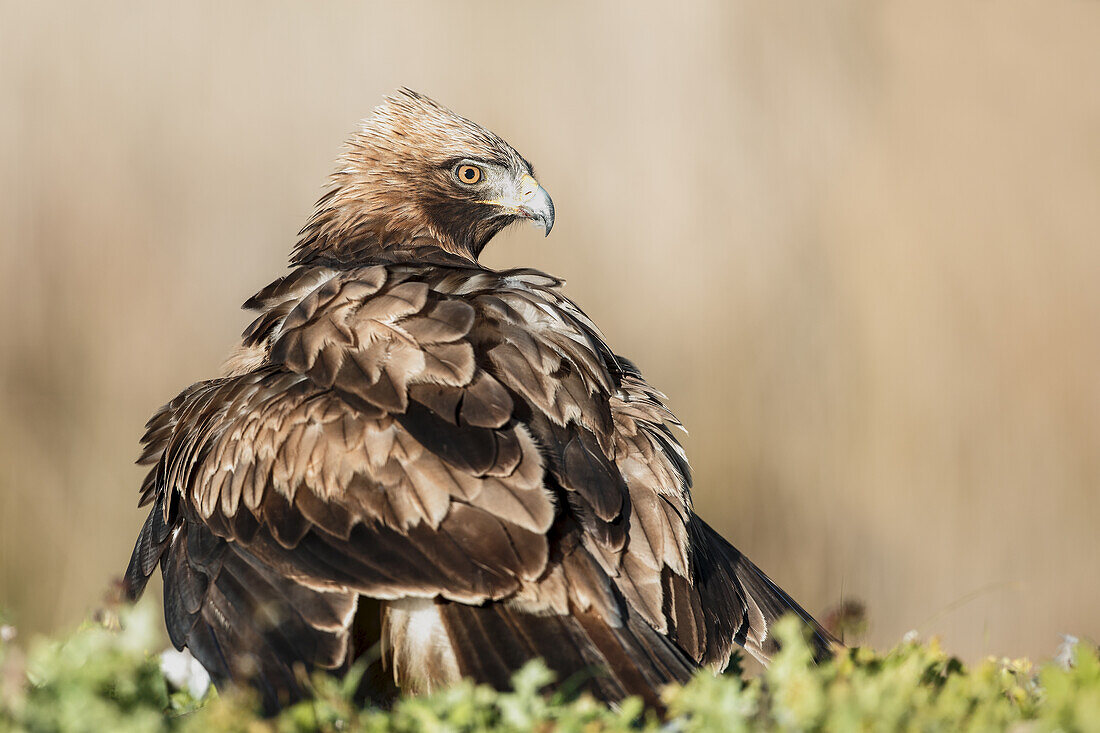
[{"x": 99, "y": 679}]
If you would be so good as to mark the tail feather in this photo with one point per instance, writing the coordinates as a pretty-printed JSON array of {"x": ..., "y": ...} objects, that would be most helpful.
[
  {"x": 611, "y": 661},
  {"x": 741, "y": 603}
]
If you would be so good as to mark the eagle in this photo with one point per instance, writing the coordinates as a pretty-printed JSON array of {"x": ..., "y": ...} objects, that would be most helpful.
[{"x": 436, "y": 466}]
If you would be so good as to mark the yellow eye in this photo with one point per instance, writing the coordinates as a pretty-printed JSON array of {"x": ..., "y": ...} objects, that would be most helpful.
[{"x": 468, "y": 174}]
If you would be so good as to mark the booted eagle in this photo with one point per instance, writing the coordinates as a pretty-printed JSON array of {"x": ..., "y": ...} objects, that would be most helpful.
[{"x": 413, "y": 455}]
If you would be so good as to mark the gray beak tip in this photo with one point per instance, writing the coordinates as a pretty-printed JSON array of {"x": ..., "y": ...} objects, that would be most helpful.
[
  {"x": 539, "y": 207},
  {"x": 547, "y": 213}
]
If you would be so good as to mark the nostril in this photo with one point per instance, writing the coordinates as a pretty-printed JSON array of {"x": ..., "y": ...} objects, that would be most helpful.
[{"x": 528, "y": 188}]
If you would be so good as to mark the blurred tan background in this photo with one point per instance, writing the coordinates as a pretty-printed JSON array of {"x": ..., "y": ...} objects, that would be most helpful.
[{"x": 858, "y": 245}]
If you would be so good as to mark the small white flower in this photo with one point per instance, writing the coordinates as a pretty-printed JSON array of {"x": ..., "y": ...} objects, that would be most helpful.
[
  {"x": 7, "y": 633},
  {"x": 911, "y": 637},
  {"x": 1064, "y": 657},
  {"x": 184, "y": 672}
]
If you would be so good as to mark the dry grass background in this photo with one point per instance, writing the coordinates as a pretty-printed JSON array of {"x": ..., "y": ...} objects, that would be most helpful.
[{"x": 858, "y": 244}]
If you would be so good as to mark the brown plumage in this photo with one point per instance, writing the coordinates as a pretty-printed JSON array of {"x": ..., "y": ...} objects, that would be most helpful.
[{"x": 411, "y": 450}]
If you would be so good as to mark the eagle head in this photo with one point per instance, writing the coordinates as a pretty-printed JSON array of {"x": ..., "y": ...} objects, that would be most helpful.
[{"x": 414, "y": 172}]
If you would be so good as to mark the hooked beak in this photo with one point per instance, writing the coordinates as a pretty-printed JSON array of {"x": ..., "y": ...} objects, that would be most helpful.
[
  {"x": 530, "y": 202},
  {"x": 536, "y": 204}
]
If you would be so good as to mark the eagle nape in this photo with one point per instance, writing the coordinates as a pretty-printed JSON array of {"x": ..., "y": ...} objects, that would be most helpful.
[{"x": 413, "y": 453}]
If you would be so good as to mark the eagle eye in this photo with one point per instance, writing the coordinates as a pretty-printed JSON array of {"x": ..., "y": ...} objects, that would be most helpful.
[{"x": 468, "y": 174}]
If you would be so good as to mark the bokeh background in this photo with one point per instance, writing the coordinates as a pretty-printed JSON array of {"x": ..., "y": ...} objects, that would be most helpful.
[{"x": 857, "y": 244}]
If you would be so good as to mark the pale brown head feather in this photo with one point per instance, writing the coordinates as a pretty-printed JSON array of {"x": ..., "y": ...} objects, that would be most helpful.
[{"x": 394, "y": 186}]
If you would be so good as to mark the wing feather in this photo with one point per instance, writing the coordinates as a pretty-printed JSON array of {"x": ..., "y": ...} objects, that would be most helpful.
[{"x": 419, "y": 430}]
